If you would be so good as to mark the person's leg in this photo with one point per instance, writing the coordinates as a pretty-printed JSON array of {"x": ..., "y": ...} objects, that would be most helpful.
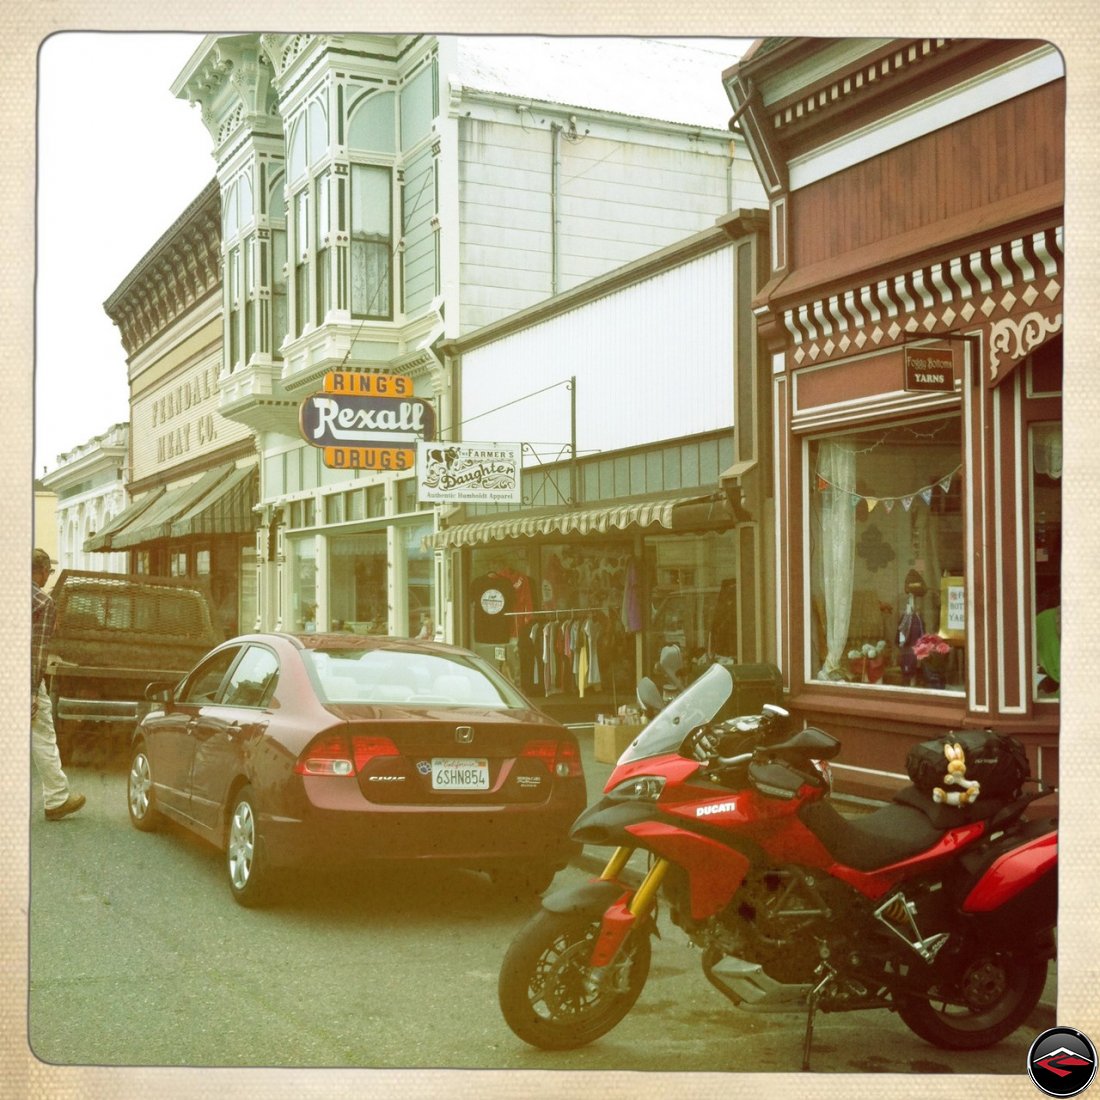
[{"x": 47, "y": 760}]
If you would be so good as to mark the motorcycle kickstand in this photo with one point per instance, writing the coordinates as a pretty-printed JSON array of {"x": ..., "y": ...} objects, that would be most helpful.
[{"x": 811, "y": 1002}]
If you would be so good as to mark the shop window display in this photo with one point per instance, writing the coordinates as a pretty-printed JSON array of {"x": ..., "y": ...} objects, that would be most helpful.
[
  {"x": 358, "y": 583},
  {"x": 303, "y": 568},
  {"x": 886, "y": 556},
  {"x": 552, "y": 618},
  {"x": 692, "y": 585},
  {"x": 1046, "y": 489}
]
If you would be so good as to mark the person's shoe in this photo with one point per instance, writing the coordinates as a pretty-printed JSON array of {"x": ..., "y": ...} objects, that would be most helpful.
[{"x": 69, "y": 806}]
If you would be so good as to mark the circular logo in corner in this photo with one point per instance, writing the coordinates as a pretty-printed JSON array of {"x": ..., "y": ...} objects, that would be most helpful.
[{"x": 1062, "y": 1062}]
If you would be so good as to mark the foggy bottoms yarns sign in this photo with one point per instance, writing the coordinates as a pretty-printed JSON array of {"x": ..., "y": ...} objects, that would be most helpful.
[{"x": 470, "y": 472}]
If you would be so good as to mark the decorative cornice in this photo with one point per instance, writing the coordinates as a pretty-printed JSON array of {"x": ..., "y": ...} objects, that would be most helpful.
[
  {"x": 985, "y": 286},
  {"x": 179, "y": 271},
  {"x": 867, "y": 78}
]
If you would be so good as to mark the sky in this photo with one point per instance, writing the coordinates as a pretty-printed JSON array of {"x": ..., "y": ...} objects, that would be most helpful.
[{"x": 119, "y": 159}]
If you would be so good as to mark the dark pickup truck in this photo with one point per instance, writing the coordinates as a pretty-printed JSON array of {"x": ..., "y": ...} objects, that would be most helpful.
[{"x": 115, "y": 634}]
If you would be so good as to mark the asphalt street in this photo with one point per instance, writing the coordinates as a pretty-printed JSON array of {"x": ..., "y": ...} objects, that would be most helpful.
[{"x": 139, "y": 957}]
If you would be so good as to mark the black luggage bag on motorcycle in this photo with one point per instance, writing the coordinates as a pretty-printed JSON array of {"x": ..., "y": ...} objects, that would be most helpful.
[{"x": 996, "y": 760}]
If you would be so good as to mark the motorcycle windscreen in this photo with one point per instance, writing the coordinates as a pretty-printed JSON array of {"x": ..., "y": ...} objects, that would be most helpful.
[{"x": 691, "y": 708}]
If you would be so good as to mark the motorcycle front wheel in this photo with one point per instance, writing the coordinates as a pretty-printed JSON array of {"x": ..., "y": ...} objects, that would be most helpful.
[
  {"x": 994, "y": 995},
  {"x": 551, "y": 997}
]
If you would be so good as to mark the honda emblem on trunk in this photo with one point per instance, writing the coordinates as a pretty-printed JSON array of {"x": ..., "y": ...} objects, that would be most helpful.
[{"x": 464, "y": 734}]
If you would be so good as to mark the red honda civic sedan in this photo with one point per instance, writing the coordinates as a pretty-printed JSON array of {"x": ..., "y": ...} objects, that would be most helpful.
[{"x": 288, "y": 749}]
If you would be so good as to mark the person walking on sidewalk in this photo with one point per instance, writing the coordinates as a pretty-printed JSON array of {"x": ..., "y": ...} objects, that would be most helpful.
[{"x": 58, "y": 800}]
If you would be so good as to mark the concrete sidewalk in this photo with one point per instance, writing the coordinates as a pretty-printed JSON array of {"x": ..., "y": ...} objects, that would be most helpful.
[{"x": 593, "y": 860}]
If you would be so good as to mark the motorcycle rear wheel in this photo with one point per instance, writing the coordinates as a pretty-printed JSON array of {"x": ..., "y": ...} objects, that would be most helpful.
[
  {"x": 549, "y": 994},
  {"x": 994, "y": 996}
]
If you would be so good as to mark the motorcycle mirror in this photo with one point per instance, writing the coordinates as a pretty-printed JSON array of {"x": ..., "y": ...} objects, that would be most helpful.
[
  {"x": 649, "y": 695},
  {"x": 672, "y": 660}
]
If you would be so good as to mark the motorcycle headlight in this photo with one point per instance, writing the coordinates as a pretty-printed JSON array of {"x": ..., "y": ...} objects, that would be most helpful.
[{"x": 639, "y": 788}]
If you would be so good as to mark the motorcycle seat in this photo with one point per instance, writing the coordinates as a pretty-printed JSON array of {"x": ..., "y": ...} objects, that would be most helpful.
[{"x": 869, "y": 842}]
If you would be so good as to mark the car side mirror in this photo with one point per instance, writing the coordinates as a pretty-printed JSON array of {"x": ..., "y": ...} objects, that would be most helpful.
[{"x": 161, "y": 691}]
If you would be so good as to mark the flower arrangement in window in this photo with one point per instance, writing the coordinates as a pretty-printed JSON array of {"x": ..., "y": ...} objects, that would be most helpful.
[
  {"x": 868, "y": 662},
  {"x": 932, "y": 653}
]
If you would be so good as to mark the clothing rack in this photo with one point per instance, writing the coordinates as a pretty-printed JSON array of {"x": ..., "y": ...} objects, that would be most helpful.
[{"x": 560, "y": 611}]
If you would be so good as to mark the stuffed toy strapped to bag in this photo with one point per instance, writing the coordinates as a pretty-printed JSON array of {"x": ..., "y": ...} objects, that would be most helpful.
[{"x": 960, "y": 767}]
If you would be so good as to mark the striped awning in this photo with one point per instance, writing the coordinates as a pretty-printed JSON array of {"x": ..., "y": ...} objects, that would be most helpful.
[
  {"x": 219, "y": 502},
  {"x": 582, "y": 521},
  {"x": 227, "y": 510},
  {"x": 101, "y": 540}
]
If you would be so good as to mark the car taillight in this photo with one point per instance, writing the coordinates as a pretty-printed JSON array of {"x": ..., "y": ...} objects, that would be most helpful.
[
  {"x": 332, "y": 754},
  {"x": 366, "y": 748},
  {"x": 562, "y": 758}
]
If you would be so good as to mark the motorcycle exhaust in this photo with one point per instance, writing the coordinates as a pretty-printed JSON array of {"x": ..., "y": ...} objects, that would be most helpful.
[{"x": 751, "y": 989}]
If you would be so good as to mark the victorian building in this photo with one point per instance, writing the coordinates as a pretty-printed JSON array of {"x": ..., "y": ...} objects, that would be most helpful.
[
  {"x": 381, "y": 195},
  {"x": 89, "y": 483},
  {"x": 191, "y": 471},
  {"x": 913, "y": 318}
]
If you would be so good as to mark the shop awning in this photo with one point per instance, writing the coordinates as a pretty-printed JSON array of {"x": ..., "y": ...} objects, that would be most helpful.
[
  {"x": 226, "y": 510},
  {"x": 668, "y": 513},
  {"x": 219, "y": 502},
  {"x": 101, "y": 540}
]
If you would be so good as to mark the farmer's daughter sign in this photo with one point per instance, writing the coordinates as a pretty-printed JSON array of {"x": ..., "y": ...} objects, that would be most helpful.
[{"x": 470, "y": 473}]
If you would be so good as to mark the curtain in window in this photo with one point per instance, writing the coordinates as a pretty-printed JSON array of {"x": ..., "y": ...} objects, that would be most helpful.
[
  {"x": 837, "y": 467},
  {"x": 370, "y": 278},
  {"x": 1047, "y": 444}
]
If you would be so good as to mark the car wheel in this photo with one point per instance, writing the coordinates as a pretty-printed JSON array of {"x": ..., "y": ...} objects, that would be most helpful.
[
  {"x": 140, "y": 798},
  {"x": 251, "y": 878}
]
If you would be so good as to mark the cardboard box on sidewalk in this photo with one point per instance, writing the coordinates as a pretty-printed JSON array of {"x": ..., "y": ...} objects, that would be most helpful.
[{"x": 612, "y": 739}]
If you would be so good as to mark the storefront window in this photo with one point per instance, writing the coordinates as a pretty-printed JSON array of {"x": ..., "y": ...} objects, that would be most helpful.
[
  {"x": 303, "y": 586},
  {"x": 419, "y": 580},
  {"x": 248, "y": 597},
  {"x": 693, "y": 599},
  {"x": 1046, "y": 495},
  {"x": 887, "y": 557},
  {"x": 357, "y": 587}
]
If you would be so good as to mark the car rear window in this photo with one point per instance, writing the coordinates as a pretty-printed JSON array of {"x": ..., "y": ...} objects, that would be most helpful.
[{"x": 381, "y": 676}]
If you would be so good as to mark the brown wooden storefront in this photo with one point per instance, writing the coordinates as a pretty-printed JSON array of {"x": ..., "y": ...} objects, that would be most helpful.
[{"x": 916, "y": 201}]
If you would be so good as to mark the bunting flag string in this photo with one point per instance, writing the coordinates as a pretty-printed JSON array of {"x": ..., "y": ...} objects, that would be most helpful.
[{"x": 906, "y": 500}]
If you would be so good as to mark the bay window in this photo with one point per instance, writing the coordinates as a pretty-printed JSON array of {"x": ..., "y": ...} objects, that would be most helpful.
[
  {"x": 886, "y": 556},
  {"x": 302, "y": 314},
  {"x": 371, "y": 242}
]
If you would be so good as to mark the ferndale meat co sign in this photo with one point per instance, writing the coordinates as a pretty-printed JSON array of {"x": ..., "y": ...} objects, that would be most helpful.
[{"x": 366, "y": 421}]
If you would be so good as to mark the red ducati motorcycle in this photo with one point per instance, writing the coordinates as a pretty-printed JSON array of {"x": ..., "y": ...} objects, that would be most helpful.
[{"x": 942, "y": 913}]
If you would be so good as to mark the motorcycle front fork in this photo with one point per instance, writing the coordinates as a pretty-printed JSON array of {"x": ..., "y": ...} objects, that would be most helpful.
[{"x": 620, "y": 918}]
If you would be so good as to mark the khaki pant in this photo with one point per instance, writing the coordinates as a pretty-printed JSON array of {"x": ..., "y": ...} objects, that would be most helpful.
[{"x": 47, "y": 760}]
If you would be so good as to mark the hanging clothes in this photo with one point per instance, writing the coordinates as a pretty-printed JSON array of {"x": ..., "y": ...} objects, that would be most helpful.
[
  {"x": 522, "y": 602},
  {"x": 592, "y": 631},
  {"x": 493, "y": 598},
  {"x": 582, "y": 659},
  {"x": 549, "y": 658},
  {"x": 536, "y": 649},
  {"x": 632, "y": 598}
]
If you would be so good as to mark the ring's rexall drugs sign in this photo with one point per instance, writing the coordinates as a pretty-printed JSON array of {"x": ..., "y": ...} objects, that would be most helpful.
[
  {"x": 366, "y": 421},
  {"x": 466, "y": 473}
]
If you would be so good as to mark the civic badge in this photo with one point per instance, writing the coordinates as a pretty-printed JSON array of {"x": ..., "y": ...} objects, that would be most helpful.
[{"x": 464, "y": 734}]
